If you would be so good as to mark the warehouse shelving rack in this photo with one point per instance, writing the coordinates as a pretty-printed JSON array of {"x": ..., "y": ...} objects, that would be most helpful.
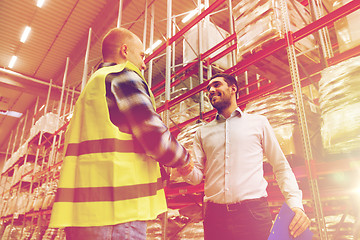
[
  {"x": 180, "y": 195},
  {"x": 46, "y": 160},
  {"x": 281, "y": 85}
]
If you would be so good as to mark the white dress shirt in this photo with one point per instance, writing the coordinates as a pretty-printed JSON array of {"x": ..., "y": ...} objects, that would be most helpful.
[{"x": 229, "y": 152}]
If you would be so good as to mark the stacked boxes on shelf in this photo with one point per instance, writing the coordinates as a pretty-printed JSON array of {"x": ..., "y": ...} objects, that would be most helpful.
[
  {"x": 186, "y": 138},
  {"x": 258, "y": 23},
  {"x": 31, "y": 180},
  {"x": 185, "y": 110},
  {"x": 347, "y": 32},
  {"x": 211, "y": 36},
  {"x": 179, "y": 113},
  {"x": 280, "y": 110},
  {"x": 49, "y": 122},
  {"x": 339, "y": 99}
]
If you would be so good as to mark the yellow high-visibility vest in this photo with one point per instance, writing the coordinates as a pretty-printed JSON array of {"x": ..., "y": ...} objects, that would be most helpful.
[{"x": 106, "y": 178}]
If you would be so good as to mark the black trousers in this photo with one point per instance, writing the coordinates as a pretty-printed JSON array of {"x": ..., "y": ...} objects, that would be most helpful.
[{"x": 248, "y": 220}]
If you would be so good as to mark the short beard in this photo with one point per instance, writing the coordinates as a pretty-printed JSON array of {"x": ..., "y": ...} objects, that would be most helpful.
[{"x": 220, "y": 106}]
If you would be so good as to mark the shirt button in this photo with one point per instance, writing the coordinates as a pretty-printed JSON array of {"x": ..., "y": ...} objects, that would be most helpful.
[
  {"x": 227, "y": 171},
  {"x": 226, "y": 189}
]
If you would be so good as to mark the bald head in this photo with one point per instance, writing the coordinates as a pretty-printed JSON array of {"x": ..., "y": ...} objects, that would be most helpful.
[{"x": 120, "y": 45}]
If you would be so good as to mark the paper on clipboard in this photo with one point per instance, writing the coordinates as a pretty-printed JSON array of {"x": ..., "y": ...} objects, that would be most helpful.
[{"x": 280, "y": 229}]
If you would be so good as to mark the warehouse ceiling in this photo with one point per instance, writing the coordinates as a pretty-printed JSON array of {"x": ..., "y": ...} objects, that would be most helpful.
[{"x": 60, "y": 29}]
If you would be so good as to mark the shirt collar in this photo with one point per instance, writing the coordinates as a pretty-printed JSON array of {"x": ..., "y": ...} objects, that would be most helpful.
[
  {"x": 236, "y": 112},
  {"x": 106, "y": 64}
]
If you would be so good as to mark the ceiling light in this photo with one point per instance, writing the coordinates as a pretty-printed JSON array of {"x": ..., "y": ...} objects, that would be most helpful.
[
  {"x": 192, "y": 13},
  {"x": 11, "y": 113},
  {"x": 157, "y": 43},
  {"x": 25, "y": 34},
  {"x": 12, "y": 61},
  {"x": 40, "y": 3}
]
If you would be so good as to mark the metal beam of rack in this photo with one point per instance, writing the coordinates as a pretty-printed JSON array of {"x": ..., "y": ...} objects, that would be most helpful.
[
  {"x": 298, "y": 35},
  {"x": 326, "y": 20},
  {"x": 179, "y": 34},
  {"x": 243, "y": 65}
]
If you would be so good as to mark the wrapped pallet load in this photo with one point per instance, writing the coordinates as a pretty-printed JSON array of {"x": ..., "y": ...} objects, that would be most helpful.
[
  {"x": 347, "y": 32},
  {"x": 185, "y": 110},
  {"x": 280, "y": 110},
  {"x": 186, "y": 138},
  {"x": 211, "y": 36},
  {"x": 48, "y": 123},
  {"x": 259, "y": 23},
  {"x": 339, "y": 99}
]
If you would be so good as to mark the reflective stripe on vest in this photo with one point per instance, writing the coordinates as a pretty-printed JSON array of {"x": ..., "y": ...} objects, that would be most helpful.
[
  {"x": 101, "y": 146},
  {"x": 97, "y": 194},
  {"x": 106, "y": 178}
]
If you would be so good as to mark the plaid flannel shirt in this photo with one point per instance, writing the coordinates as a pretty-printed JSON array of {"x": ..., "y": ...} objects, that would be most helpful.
[{"x": 131, "y": 110}]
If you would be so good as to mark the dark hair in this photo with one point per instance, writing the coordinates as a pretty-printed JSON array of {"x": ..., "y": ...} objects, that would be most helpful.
[{"x": 230, "y": 80}]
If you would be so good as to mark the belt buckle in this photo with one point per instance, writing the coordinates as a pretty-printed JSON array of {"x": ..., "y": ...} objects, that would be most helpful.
[{"x": 232, "y": 206}]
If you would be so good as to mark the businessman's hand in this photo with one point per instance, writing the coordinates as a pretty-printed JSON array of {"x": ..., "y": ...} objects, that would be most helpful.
[
  {"x": 299, "y": 223},
  {"x": 185, "y": 170}
]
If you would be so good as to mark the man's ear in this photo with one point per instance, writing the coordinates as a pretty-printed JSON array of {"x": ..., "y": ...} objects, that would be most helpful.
[
  {"x": 124, "y": 51},
  {"x": 234, "y": 88}
]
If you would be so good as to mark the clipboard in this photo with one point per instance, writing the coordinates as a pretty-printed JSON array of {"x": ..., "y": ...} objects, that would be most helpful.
[{"x": 280, "y": 229}]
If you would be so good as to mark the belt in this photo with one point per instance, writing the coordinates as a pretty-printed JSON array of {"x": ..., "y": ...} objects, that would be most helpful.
[{"x": 234, "y": 206}]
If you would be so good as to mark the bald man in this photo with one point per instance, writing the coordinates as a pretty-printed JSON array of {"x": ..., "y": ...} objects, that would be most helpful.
[{"x": 110, "y": 182}]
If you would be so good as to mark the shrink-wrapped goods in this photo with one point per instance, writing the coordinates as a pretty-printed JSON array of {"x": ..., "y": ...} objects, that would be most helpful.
[
  {"x": 186, "y": 138},
  {"x": 30, "y": 204},
  {"x": 49, "y": 122},
  {"x": 11, "y": 205},
  {"x": 347, "y": 31},
  {"x": 2, "y": 229},
  {"x": 21, "y": 171},
  {"x": 180, "y": 225},
  {"x": 6, "y": 233},
  {"x": 27, "y": 232},
  {"x": 5, "y": 183},
  {"x": 50, "y": 234},
  {"x": 187, "y": 109},
  {"x": 38, "y": 233},
  {"x": 280, "y": 110},
  {"x": 60, "y": 234},
  {"x": 339, "y": 99},
  {"x": 23, "y": 199},
  {"x": 211, "y": 36},
  {"x": 4, "y": 203},
  {"x": 50, "y": 194},
  {"x": 259, "y": 23},
  {"x": 12, "y": 232},
  {"x": 39, "y": 193}
]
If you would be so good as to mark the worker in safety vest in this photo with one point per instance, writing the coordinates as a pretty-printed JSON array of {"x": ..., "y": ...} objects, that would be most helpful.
[{"x": 110, "y": 182}]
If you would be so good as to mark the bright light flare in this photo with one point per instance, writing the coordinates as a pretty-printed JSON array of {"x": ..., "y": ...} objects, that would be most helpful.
[
  {"x": 192, "y": 13},
  {"x": 12, "y": 61},
  {"x": 25, "y": 34},
  {"x": 155, "y": 45},
  {"x": 40, "y": 3},
  {"x": 11, "y": 113}
]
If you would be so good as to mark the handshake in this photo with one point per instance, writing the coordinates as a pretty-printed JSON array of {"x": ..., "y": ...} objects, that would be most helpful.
[{"x": 186, "y": 169}]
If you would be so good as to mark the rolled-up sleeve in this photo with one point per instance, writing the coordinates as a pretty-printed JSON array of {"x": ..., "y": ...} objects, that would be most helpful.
[{"x": 133, "y": 100}]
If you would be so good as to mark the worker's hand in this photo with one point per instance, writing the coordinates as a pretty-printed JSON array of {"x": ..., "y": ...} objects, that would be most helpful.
[
  {"x": 185, "y": 170},
  {"x": 299, "y": 223}
]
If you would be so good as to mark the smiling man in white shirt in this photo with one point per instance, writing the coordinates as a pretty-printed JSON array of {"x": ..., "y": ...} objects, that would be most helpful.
[{"x": 229, "y": 154}]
